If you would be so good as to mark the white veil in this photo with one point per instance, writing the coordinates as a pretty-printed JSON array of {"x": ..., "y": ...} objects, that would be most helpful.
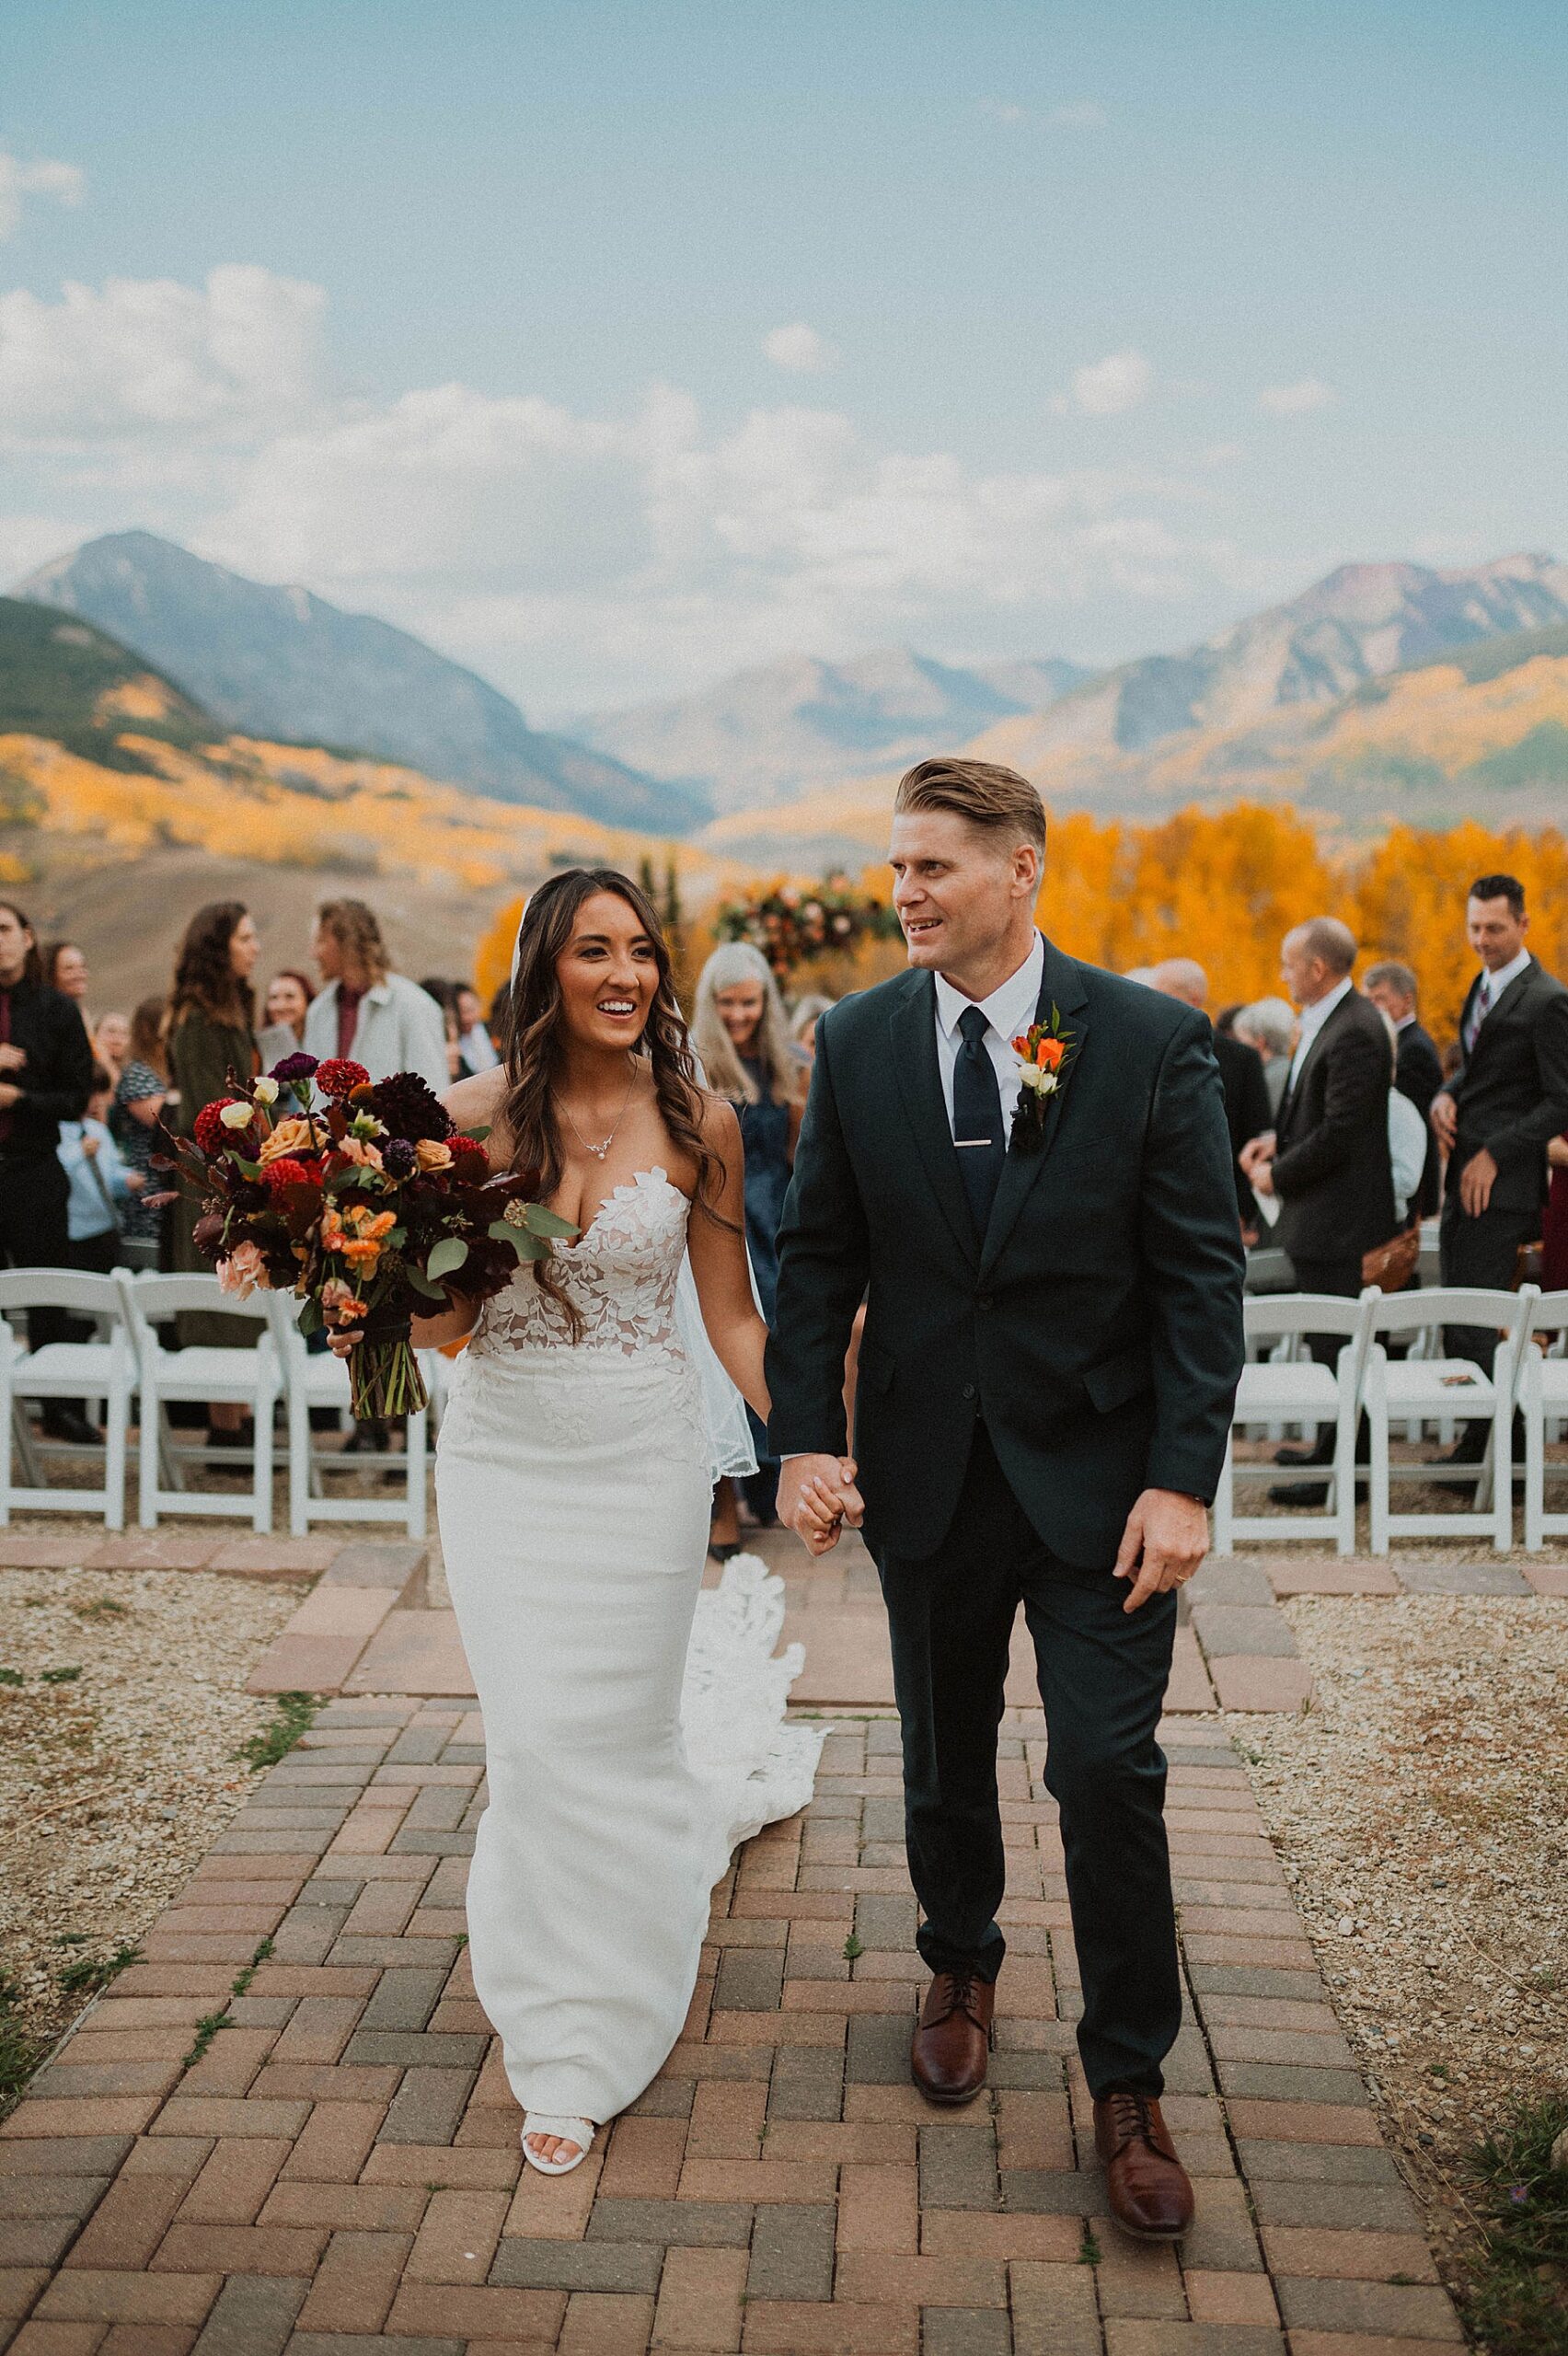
[{"x": 730, "y": 1445}]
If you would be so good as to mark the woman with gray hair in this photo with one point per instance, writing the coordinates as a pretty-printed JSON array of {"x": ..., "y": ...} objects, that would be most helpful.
[
  {"x": 1269, "y": 1025},
  {"x": 742, "y": 1036}
]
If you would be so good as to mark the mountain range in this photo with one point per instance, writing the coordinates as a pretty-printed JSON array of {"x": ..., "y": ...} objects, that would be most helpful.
[
  {"x": 761, "y": 736},
  {"x": 285, "y": 663}
]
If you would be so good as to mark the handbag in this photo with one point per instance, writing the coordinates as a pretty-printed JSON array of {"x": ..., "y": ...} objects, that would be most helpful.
[{"x": 1390, "y": 1266}]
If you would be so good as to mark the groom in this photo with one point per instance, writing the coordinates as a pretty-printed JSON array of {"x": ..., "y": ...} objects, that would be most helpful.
[{"x": 1052, "y": 1345}]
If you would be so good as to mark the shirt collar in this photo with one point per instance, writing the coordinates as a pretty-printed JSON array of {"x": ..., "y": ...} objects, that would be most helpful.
[
  {"x": 1010, "y": 1010},
  {"x": 1495, "y": 984},
  {"x": 1314, "y": 1017}
]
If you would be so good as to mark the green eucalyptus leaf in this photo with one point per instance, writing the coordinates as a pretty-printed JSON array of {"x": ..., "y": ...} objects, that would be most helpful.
[
  {"x": 447, "y": 1256},
  {"x": 311, "y": 1320},
  {"x": 421, "y": 1283},
  {"x": 540, "y": 1222}
]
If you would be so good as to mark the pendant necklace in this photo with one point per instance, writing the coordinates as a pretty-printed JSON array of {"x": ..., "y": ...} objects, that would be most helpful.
[{"x": 600, "y": 1151}]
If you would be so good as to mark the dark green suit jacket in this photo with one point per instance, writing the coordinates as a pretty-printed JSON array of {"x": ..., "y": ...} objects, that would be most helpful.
[{"x": 1097, "y": 1325}]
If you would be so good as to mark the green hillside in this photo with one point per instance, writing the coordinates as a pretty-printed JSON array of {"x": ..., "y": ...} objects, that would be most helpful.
[{"x": 62, "y": 679}]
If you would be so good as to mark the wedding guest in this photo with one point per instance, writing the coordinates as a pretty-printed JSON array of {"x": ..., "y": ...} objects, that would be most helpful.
[
  {"x": 65, "y": 970},
  {"x": 382, "y": 1020},
  {"x": 742, "y": 1036},
  {"x": 287, "y": 1003},
  {"x": 807, "y": 1013},
  {"x": 1328, "y": 1161},
  {"x": 210, "y": 1036},
  {"x": 141, "y": 1097},
  {"x": 1500, "y": 1112},
  {"x": 1269, "y": 1025},
  {"x": 111, "y": 1041},
  {"x": 479, "y": 1052},
  {"x": 1225, "y": 1021},
  {"x": 1418, "y": 1070},
  {"x": 101, "y": 1186},
  {"x": 46, "y": 1070},
  {"x": 1554, "y": 1220},
  {"x": 1247, "y": 1109}
]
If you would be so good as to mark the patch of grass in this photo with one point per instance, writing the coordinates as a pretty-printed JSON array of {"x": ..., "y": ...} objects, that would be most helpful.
[
  {"x": 12, "y": 1677},
  {"x": 19, "y": 2051},
  {"x": 59, "y": 1676},
  {"x": 1516, "y": 2303},
  {"x": 105, "y": 1608},
  {"x": 1090, "y": 2254},
  {"x": 297, "y": 1713},
  {"x": 91, "y": 1972},
  {"x": 852, "y": 1948},
  {"x": 208, "y": 2025}
]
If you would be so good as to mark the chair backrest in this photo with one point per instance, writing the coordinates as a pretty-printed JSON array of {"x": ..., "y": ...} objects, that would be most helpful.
[
  {"x": 91, "y": 1296},
  {"x": 1267, "y": 1316},
  {"x": 1401, "y": 1312},
  {"x": 1551, "y": 1313},
  {"x": 281, "y": 1310},
  {"x": 149, "y": 1297}
]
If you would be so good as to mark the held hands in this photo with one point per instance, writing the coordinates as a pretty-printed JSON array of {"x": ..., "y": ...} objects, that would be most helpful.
[
  {"x": 1444, "y": 1116},
  {"x": 1255, "y": 1158},
  {"x": 1165, "y": 1541},
  {"x": 816, "y": 1496}
]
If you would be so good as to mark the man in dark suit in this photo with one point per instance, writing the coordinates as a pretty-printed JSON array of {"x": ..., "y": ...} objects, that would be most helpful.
[
  {"x": 1052, "y": 1345},
  {"x": 1418, "y": 1067},
  {"x": 1497, "y": 1115},
  {"x": 1247, "y": 1109},
  {"x": 1327, "y": 1159}
]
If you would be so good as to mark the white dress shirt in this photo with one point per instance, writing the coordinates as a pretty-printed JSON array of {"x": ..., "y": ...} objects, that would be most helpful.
[
  {"x": 1311, "y": 1021},
  {"x": 1008, "y": 1011}
]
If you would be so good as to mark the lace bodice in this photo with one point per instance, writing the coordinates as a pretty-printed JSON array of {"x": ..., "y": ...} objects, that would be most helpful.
[{"x": 620, "y": 1276}]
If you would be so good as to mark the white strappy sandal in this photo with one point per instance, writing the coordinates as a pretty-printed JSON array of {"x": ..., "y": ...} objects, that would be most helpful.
[{"x": 568, "y": 2131}]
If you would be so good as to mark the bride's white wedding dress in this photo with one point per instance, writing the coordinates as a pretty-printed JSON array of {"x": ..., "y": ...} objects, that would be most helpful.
[{"x": 573, "y": 1482}]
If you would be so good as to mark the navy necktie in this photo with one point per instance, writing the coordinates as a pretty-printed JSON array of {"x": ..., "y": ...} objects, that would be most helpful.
[{"x": 977, "y": 1118}]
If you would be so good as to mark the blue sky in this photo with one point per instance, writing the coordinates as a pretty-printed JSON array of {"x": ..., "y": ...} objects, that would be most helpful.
[{"x": 612, "y": 347}]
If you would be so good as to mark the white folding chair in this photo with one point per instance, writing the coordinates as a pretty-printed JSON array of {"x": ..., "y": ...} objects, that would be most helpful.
[
  {"x": 319, "y": 1379},
  {"x": 1414, "y": 1390},
  {"x": 99, "y": 1369},
  {"x": 1298, "y": 1391},
  {"x": 1543, "y": 1400},
  {"x": 247, "y": 1376}
]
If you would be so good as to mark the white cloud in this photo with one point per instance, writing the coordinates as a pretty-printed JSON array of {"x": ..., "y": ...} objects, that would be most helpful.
[
  {"x": 1079, "y": 114},
  {"x": 63, "y": 182},
  {"x": 1003, "y": 110},
  {"x": 1111, "y": 386},
  {"x": 577, "y": 560},
  {"x": 149, "y": 353},
  {"x": 800, "y": 349},
  {"x": 1299, "y": 400}
]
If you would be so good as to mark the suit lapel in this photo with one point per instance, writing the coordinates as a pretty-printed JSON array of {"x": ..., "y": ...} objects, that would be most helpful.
[
  {"x": 913, "y": 1027},
  {"x": 1292, "y": 1090},
  {"x": 1061, "y": 987},
  {"x": 1509, "y": 998}
]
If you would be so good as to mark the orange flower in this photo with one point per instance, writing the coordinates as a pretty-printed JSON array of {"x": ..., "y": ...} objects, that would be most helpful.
[
  {"x": 360, "y": 1252},
  {"x": 368, "y": 1224},
  {"x": 1049, "y": 1053},
  {"x": 289, "y": 1137}
]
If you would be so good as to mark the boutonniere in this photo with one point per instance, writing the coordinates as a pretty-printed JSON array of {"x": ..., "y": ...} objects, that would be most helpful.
[{"x": 1043, "y": 1053}]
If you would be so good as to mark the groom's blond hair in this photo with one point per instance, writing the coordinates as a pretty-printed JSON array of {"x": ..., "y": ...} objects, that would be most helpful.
[{"x": 983, "y": 791}]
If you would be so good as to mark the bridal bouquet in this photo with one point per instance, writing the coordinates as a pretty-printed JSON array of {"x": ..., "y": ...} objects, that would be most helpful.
[{"x": 364, "y": 1206}]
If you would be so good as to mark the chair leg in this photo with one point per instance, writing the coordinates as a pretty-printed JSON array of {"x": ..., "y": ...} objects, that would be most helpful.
[
  {"x": 1344, "y": 1484},
  {"x": 1535, "y": 1476},
  {"x": 1377, "y": 1472},
  {"x": 7, "y": 1410},
  {"x": 299, "y": 1465},
  {"x": 1502, "y": 1457},
  {"x": 1224, "y": 1501},
  {"x": 150, "y": 1456},
  {"x": 114, "y": 1461},
  {"x": 415, "y": 1475},
  {"x": 262, "y": 1470}
]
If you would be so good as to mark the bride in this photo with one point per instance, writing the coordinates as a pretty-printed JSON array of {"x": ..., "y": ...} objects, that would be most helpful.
[{"x": 573, "y": 1480}]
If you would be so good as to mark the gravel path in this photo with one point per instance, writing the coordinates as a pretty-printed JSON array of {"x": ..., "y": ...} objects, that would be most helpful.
[
  {"x": 122, "y": 1707},
  {"x": 1420, "y": 1809}
]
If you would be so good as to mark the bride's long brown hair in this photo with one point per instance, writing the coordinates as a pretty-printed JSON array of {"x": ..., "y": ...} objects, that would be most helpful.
[{"x": 532, "y": 1043}]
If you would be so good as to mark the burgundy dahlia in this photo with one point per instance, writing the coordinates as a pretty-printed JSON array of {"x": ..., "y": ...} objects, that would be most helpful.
[{"x": 410, "y": 1107}]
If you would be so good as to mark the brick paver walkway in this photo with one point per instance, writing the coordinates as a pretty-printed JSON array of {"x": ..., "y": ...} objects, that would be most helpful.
[{"x": 339, "y": 2174}]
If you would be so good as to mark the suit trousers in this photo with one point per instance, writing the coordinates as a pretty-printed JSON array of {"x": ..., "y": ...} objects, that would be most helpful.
[
  {"x": 1102, "y": 1675},
  {"x": 1481, "y": 1251},
  {"x": 35, "y": 1232}
]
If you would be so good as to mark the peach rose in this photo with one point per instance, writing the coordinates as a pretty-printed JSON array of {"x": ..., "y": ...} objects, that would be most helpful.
[
  {"x": 430, "y": 1153},
  {"x": 289, "y": 1137}
]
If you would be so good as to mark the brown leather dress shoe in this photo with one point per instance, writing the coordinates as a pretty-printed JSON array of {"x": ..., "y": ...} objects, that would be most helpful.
[
  {"x": 946, "y": 2059},
  {"x": 1150, "y": 2195}
]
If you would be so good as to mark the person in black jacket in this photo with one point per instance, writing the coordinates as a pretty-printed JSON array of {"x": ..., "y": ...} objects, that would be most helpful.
[
  {"x": 1327, "y": 1160},
  {"x": 1418, "y": 1067},
  {"x": 1502, "y": 1107},
  {"x": 1052, "y": 1341},
  {"x": 1247, "y": 1110},
  {"x": 46, "y": 1077}
]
